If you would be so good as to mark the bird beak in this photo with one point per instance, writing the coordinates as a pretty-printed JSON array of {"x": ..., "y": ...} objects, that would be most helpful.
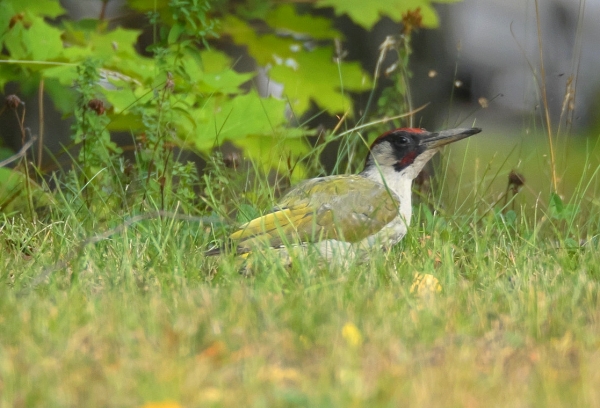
[{"x": 439, "y": 139}]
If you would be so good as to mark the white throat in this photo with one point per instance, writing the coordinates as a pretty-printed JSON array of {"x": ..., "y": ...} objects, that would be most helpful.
[{"x": 400, "y": 182}]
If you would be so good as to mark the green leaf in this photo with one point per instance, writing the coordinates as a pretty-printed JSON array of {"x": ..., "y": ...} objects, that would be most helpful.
[
  {"x": 116, "y": 48},
  {"x": 175, "y": 32},
  {"x": 221, "y": 79},
  {"x": 64, "y": 74},
  {"x": 367, "y": 13},
  {"x": 314, "y": 75},
  {"x": 556, "y": 203},
  {"x": 278, "y": 151},
  {"x": 285, "y": 20},
  {"x": 123, "y": 99},
  {"x": 214, "y": 61},
  {"x": 13, "y": 41},
  {"x": 236, "y": 118},
  {"x": 242, "y": 33},
  {"x": 227, "y": 82},
  {"x": 305, "y": 74},
  {"x": 36, "y": 40},
  {"x": 560, "y": 211},
  {"x": 44, "y": 41},
  {"x": 119, "y": 42},
  {"x": 48, "y": 8}
]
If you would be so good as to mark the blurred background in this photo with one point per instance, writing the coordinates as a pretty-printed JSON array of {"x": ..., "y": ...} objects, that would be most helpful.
[{"x": 480, "y": 67}]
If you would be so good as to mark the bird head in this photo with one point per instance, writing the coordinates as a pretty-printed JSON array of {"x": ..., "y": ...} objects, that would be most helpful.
[{"x": 407, "y": 150}]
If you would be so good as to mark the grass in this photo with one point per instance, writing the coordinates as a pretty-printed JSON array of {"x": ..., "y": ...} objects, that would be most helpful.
[
  {"x": 97, "y": 310},
  {"x": 143, "y": 318}
]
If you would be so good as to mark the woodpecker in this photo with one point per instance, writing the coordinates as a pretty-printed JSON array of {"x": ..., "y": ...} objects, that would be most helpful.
[{"x": 338, "y": 214}]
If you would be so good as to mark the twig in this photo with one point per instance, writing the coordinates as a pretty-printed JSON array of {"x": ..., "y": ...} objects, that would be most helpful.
[
  {"x": 41, "y": 123},
  {"x": 20, "y": 153},
  {"x": 545, "y": 98}
]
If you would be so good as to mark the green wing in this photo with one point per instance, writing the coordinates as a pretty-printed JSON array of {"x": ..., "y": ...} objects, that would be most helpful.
[{"x": 346, "y": 208}]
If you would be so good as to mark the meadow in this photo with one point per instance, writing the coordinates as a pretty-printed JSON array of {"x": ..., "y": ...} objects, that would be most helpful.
[{"x": 488, "y": 301}]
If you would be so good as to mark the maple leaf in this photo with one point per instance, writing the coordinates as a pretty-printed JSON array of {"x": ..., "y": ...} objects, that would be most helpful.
[{"x": 367, "y": 13}]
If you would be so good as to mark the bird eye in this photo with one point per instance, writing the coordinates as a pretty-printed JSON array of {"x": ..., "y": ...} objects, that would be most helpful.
[{"x": 403, "y": 140}]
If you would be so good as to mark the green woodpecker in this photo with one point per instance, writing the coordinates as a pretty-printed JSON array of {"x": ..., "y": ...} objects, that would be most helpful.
[{"x": 354, "y": 211}]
